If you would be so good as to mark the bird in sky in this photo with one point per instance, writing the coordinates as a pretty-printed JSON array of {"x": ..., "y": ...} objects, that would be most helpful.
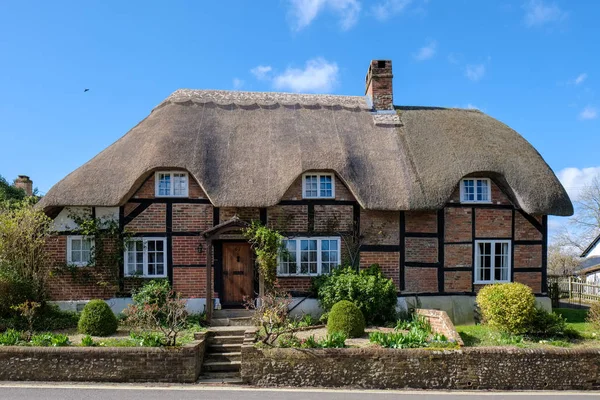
[{"x": 86, "y": 90}]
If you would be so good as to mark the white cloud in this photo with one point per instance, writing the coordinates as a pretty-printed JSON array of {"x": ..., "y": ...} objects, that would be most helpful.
[
  {"x": 475, "y": 72},
  {"x": 538, "y": 13},
  {"x": 318, "y": 75},
  {"x": 426, "y": 52},
  {"x": 389, "y": 8},
  {"x": 575, "y": 179},
  {"x": 472, "y": 107},
  {"x": 580, "y": 78},
  {"x": 303, "y": 12},
  {"x": 237, "y": 83},
  {"x": 262, "y": 71},
  {"x": 588, "y": 112}
]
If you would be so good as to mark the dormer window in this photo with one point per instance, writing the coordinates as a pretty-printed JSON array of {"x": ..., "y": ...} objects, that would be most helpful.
[
  {"x": 318, "y": 186},
  {"x": 171, "y": 184},
  {"x": 475, "y": 190}
]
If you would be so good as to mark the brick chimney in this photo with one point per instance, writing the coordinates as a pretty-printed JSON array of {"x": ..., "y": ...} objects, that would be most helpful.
[
  {"x": 24, "y": 183},
  {"x": 379, "y": 84}
]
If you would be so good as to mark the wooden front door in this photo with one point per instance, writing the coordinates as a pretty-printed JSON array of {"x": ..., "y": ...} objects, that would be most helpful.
[{"x": 238, "y": 276}]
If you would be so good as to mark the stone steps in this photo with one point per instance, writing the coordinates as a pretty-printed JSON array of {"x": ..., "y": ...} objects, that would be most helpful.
[
  {"x": 231, "y": 378},
  {"x": 222, "y": 366},
  {"x": 224, "y": 357},
  {"x": 224, "y": 350}
]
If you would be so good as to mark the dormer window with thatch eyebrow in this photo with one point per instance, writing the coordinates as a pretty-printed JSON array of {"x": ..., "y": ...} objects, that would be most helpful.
[
  {"x": 171, "y": 184},
  {"x": 318, "y": 186},
  {"x": 475, "y": 190}
]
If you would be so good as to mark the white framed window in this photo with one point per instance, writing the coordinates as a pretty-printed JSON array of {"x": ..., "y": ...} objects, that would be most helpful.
[
  {"x": 318, "y": 186},
  {"x": 171, "y": 184},
  {"x": 146, "y": 257},
  {"x": 80, "y": 250},
  {"x": 475, "y": 190},
  {"x": 309, "y": 256},
  {"x": 492, "y": 261}
]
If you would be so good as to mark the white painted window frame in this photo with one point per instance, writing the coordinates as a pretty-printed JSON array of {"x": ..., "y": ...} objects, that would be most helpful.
[
  {"x": 319, "y": 240},
  {"x": 172, "y": 190},
  {"x": 145, "y": 240},
  {"x": 462, "y": 191},
  {"x": 492, "y": 261},
  {"x": 318, "y": 175},
  {"x": 70, "y": 239}
]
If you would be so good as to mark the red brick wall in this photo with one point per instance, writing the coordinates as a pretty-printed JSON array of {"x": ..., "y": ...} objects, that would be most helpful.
[
  {"x": 388, "y": 261},
  {"x": 422, "y": 222},
  {"x": 531, "y": 279},
  {"x": 421, "y": 280},
  {"x": 82, "y": 284},
  {"x": 152, "y": 219},
  {"x": 288, "y": 218},
  {"x": 334, "y": 218},
  {"x": 190, "y": 282},
  {"x": 524, "y": 230},
  {"x": 493, "y": 223},
  {"x": 458, "y": 224},
  {"x": 458, "y": 255},
  {"x": 244, "y": 213},
  {"x": 380, "y": 227},
  {"x": 192, "y": 217},
  {"x": 457, "y": 281},
  {"x": 423, "y": 250},
  {"x": 185, "y": 250},
  {"x": 294, "y": 283},
  {"x": 528, "y": 256}
]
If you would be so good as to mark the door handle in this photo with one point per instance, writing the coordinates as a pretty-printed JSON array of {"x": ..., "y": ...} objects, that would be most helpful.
[{"x": 238, "y": 272}]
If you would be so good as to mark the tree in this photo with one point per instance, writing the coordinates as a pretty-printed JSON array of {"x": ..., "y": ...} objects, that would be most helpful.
[
  {"x": 562, "y": 260},
  {"x": 9, "y": 192},
  {"x": 24, "y": 230},
  {"x": 584, "y": 225}
]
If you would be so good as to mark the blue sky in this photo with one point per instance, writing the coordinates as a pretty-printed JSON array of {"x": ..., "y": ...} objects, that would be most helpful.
[{"x": 533, "y": 64}]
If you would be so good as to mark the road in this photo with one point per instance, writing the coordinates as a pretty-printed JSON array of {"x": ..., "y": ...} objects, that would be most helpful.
[{"x": 26, "y": 391}]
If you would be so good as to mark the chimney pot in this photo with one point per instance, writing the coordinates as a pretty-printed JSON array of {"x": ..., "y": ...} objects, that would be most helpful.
[
  {"x": 24, "y": 183},
  {"x": 379, "y": 84}
]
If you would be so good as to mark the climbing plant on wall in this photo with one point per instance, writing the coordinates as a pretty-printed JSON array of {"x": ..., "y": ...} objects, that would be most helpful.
[{"x": 267, "y": 244}]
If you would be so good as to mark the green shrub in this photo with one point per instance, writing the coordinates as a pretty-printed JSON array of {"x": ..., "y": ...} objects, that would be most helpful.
[
  {"x": 593, "y": 316},
  {"x": 50, "y": 339},
  {"x": 416, "y": 322},
  {"x": 508, "y": 307},
  {"x": 11, "y": 337},
  {"x": 331, "y": 341},
  {"x": 97, "y": 319},
  {"x": 347, "y": 318},
  {"x": 87, "y": 341},
  {"x": 14, "y": 290},
  {"x": 51, "y": 317},
  {"x": 545, "y": 324},
  {"x": 374, "y": 294}
]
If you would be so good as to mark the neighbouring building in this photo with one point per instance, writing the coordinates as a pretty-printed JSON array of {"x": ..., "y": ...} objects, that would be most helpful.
[
  {"x": 589, "y": 268},
  {"x": 445, "y": 200}
]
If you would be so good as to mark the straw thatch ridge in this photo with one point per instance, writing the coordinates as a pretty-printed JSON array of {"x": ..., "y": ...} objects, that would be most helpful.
[{"x": 245, "y": 149}]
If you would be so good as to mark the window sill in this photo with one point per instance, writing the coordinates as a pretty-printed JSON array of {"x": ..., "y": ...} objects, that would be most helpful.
[
  {"x": 165, "y": 196},
  {"x": 298, "y": 275},
  {"x": 488, "y": 282},
  {"x": 79, "y": 264},
  {"x": 476, "y": 202},
  {"x": 146, "y": 276}
]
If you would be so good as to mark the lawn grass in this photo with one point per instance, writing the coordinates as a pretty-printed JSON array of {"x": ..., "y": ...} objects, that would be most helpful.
[{"x": 482, "y": 335}]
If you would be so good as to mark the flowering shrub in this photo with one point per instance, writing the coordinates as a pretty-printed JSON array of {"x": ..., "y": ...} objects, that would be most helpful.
[
  {"x": 271, "y": 314},
  {"x": 157, "y": 307}
]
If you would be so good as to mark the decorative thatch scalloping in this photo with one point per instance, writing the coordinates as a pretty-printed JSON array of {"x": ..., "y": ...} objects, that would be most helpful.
[{"x": 246, "y": 149}]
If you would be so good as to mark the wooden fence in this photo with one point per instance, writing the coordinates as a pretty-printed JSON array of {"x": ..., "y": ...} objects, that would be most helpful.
[{"x": 573, "y": 290}]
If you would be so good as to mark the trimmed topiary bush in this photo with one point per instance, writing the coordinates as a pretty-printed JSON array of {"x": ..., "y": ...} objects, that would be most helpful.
[
  {"x": 97, "y": 319},
  {"x": 346, "y": 317},
  {"x": 508, "y": 307},
  {"x": 374, "y": 294}
]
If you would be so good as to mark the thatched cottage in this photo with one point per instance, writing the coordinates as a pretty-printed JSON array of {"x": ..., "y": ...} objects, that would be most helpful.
[{"x": 444, "y": 200}]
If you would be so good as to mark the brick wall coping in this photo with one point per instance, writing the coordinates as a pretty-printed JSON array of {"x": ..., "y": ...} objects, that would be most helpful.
[{"x": 441, "y": 323}]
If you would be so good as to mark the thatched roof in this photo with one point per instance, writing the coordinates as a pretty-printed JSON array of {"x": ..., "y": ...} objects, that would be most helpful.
[{"x": 245, "y": 149}]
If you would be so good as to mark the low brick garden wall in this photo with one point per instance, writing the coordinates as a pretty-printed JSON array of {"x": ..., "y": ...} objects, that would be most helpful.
[
  {"x": 469, "y": 368},
  {"x": 102, "y": 364}
]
